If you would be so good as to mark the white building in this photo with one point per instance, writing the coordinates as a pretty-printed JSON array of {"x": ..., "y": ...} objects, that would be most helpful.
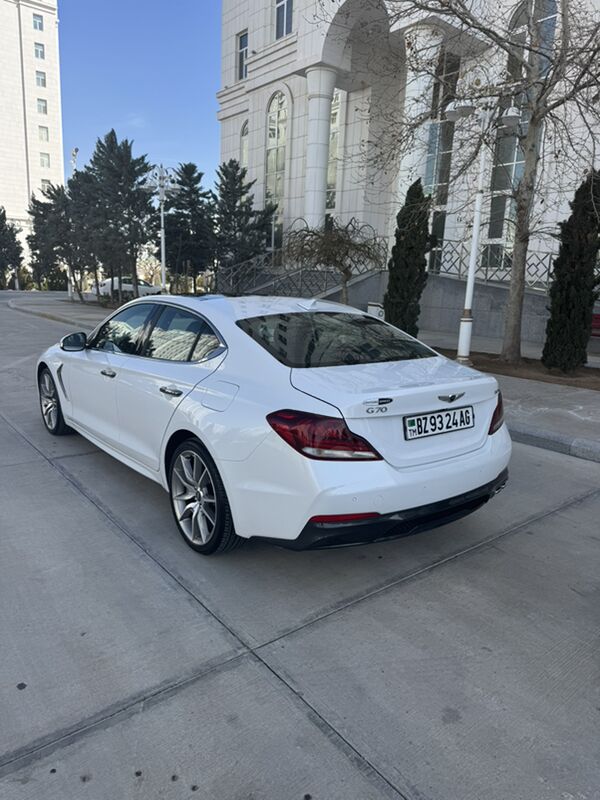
[
  {"x": 31, "y": 154},
  {"x": 308, "y": 90}
]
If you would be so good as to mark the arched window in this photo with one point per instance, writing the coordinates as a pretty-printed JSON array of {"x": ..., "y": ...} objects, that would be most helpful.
[
  {"x": 538, "y": 17},
  {"x": 244, "y": 142},
  {"x": 439, "y": 148},
  {"x": 277, "y": 120},
  {"x": 334, "y": 146}
]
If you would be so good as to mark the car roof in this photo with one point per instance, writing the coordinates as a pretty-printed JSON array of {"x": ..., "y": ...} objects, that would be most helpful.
[{"x": 234, "y": 308}]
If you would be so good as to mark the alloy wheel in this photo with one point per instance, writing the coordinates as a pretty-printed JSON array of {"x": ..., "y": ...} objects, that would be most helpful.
[
  {"x": 49, "y": 401},
  {"x": 194, "y": 497}
]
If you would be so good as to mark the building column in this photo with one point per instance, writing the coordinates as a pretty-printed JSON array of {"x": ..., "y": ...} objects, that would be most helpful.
[{"x": 321, "y": 85}]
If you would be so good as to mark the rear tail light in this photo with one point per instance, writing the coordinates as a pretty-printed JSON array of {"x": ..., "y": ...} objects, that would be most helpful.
[
  {"x": 324, "y": 438},
  {"x": 498, "y": 417}
]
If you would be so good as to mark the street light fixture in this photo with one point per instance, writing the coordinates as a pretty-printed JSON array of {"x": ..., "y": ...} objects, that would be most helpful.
[{"x": 509, "y": 119}]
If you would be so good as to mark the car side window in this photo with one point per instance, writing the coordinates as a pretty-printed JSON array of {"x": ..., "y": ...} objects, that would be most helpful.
[
  {"x": 121, "y": 333},
  {"x": 179, "y": 335}
]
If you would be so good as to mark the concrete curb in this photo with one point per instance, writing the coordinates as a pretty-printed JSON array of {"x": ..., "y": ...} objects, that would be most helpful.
[
  {"x": 587, "y": 449},
  {"x": 52, "y": 317}
]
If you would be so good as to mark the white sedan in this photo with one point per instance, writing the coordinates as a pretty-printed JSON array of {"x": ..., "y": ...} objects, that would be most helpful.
[
  {"x": 301, "y": 422},
  {"x": 110, "y": 285}
]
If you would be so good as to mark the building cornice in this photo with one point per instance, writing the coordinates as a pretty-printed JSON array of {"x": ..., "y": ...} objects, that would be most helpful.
[{"x": 38, "y": 5}]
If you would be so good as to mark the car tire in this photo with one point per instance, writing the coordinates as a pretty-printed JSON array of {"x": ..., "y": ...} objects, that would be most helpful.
[
  {"x": 50, "y": 405},
  {"x": 199, "y": 501}
]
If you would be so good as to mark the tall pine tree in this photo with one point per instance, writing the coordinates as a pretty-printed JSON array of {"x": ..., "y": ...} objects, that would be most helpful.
[
  {"x": 408, "y": 264},
  {"x": 189, "y": 224},
  {"x": 124, "y": 209},
  {"x": 574, "y": 286},
  {"x": 241, "y": 230}
]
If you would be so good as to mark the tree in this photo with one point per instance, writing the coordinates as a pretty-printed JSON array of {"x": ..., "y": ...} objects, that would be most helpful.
[
  {"x": 574, "y": 286},
  {"x": 11, "y": 249},
  {"x": 189, "y": 223},
  {"x": 241, "y": 230},
  {"x": 348, "y": 249},
  {"x": 542, "y": 56},
  {"x": 408, "y": 264},
  {"x": 53, "y": 241},
  {"x": 124, "y": 212},
  {"x": 86, "y": 223}
]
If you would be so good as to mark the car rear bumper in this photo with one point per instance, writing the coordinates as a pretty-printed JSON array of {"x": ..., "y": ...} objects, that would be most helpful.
[{"x": 392, "y": 526}]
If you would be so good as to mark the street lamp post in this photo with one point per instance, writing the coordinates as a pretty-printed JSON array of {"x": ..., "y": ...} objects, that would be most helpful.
[
  {"x": 466, "y": 320},
  {"x": 509, "y": 118},
  {"x": 162, "y": 183}
]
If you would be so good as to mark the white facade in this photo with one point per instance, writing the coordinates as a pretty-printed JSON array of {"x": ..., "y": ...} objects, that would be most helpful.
[
  {"x": 30, "y": 104},
  {"x": 307, "y": 90}
]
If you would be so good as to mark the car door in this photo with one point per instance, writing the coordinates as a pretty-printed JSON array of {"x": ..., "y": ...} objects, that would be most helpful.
[
  {"x": 180, "y": 350},
  {"x": 92, "y": 373}
]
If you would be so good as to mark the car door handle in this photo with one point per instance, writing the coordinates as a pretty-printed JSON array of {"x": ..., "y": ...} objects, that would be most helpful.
[
  {"x": 170, "y": 391},
  {"x": 108, "y": 373}
]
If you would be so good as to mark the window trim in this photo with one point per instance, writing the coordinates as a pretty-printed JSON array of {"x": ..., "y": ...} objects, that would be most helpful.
[{"x": 149, "y": 327}]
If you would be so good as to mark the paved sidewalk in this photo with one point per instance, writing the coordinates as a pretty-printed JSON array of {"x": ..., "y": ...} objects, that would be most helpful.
[{"x": 554, "y": 417}]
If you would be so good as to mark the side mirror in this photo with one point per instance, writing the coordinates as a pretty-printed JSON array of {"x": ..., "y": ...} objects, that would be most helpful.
[{"x": 73, "y": 342}]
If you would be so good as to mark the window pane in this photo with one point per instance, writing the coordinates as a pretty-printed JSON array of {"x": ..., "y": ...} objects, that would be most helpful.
[
  {"x": 40, "y": 79},
  {"x": 174, "y": 335},
  {"x": 497, "y": 216},
  {"x": 44, "y": 133},
  {"x": 280, "y": 22},
  {"x": 121, "y": 334},
  {"x": 329, "y": 339},
  {"x": 42, "y": 106},
  {"x": 290, "y": 11},
  {"x": 502, "y": 178},
  {"x": 207, "y": 343},
  {"x": 44, "y": 159},
  {"x": 39, "y": 50},
  {"x": 38, "y": 22}
]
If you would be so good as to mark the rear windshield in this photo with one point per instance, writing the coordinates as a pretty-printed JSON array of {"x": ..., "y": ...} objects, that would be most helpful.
[{"x": 331, "y": 339}]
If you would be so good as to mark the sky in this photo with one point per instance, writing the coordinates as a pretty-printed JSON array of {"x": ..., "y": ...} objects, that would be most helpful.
[{"x": 149, "y": 70}]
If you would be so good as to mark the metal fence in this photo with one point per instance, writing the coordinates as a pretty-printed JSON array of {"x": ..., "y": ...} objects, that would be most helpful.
[
  {"x": 270, "y": 274},
  {"x": 493, "y": 265}
]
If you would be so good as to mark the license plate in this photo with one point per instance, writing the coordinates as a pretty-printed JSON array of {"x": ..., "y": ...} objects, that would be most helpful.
[{"x": 421, "y": 425}]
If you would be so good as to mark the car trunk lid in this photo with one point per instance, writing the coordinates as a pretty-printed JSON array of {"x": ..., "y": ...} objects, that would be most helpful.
[{"x": 375, "y": 398}]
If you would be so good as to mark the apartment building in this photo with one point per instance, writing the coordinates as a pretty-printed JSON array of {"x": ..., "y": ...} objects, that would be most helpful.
[{"x": 31, "y": 154}]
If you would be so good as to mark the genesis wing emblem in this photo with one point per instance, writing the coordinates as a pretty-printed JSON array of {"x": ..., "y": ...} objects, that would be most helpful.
[{"x": 450, "y": 398}]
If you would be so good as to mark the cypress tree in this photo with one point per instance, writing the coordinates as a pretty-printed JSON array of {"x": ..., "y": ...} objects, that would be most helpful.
[
  {"x": 574, "y": 283},
  {"x": 408, "y": 264}
]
